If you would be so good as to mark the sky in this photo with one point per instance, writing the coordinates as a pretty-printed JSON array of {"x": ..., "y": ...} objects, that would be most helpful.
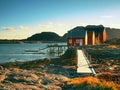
[{"x": 20, "y": 19}]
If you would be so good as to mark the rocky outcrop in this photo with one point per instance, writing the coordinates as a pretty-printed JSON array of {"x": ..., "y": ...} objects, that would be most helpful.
[{"x": 50, "y": 77}]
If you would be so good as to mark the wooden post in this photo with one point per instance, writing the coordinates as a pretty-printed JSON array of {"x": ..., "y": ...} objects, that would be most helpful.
[
  {"x": 93, "y": 38},
  {"x": 90, "y": 59},
  {"x": 86, "y": 39}
]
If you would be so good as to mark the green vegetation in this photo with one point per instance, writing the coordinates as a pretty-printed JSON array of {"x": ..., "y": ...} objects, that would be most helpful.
[
  {"x": 26, "y": 64},
  {"x": 10, "y": 41},
  {"x": 112, "y": 33},
  {"x": 100, "y": 53},
  {"x": 115, "y": 41}
]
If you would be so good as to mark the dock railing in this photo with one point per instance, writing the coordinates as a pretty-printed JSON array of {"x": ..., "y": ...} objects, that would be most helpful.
[
  {"x": 89, "y": 60},
  {"x": 87, "y": 55}
]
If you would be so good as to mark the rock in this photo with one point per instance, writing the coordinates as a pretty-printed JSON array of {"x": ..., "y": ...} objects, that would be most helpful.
[
  {"x": 6, "y": 81},
  {"x": 2, "y": 77},
  {"x": 43, "y": 87},
  {"x": 50, "y": 77},
  {"x": 1, "y": 68},
  {"x": 53, "y": 87},
  {"x": 21, "y": 86},
  {"x": 45, "y": 81},
  {"x": 39, "y": 81},
  {"x": 68, "y": 87},
  {"x": 15, "y": 69},
  {"x": 35, "y": 76}
]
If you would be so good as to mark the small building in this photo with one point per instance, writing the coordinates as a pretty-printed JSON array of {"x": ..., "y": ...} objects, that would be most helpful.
[{"x": 89, "y": 35}]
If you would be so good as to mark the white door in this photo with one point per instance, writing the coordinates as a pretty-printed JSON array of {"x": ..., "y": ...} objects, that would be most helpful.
[{"x": 81, "y": 43}]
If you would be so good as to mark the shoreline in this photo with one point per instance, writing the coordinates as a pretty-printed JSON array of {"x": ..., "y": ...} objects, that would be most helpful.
[
  {"x": 55, "y": 74},
  {"x": 29, "y": 42},
  {"x": 45, "y": 74}
]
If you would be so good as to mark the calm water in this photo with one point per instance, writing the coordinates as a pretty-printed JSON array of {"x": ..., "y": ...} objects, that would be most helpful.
[{"x": 17, "y": 52}]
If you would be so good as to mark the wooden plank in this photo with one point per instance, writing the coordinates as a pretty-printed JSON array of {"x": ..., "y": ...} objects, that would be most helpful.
[{"x": 83, "y": 64}]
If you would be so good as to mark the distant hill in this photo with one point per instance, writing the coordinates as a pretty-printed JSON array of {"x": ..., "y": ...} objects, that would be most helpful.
[
  {"x": 112, "y": 33},
  {"x": 64, "y": 36},
  {"x": 45, "y": 36},
  {"x": 113, "y": 41},
  {"x": 113, "y": 36}
]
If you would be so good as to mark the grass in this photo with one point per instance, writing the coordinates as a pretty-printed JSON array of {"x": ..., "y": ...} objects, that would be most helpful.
[
  {"x": 91, "y": 83},
  {"x": 100, "y": 53}
]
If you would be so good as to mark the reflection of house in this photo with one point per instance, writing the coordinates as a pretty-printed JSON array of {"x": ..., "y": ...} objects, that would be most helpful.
[{"x": 89, "y": 35}]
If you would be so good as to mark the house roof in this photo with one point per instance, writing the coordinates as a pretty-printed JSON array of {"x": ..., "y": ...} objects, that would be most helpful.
[
  {"x": 95, "y": 28},
  {"x": 79, "y": 31}
]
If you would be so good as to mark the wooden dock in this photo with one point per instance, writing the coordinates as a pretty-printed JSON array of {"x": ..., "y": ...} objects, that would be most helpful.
[
  {"x": 83, "y": 64},
  {"x": 56, "y": 49},
  {"x": 52, "y": 49},
  {"x": 56, "y": 45}
]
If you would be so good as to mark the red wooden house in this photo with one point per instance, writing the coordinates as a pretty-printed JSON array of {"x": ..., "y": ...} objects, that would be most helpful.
[{"x": 89, "y": 35}]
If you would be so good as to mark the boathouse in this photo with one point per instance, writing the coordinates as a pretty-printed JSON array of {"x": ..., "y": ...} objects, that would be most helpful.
[{"x": 89, "y": 35}]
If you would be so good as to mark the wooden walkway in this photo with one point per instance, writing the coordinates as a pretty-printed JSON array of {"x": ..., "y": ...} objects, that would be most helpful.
[{"x": 83, "y": 64}]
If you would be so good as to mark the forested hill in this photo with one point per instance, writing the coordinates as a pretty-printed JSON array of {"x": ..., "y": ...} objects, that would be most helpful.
[{"x": 46, "y": 36}]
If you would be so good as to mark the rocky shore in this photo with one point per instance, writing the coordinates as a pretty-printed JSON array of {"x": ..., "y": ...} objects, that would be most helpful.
[
  {"x": 38, "y": 74},
  {"x": 49, "y": 77},
  {"x": 55, "y": 74}
]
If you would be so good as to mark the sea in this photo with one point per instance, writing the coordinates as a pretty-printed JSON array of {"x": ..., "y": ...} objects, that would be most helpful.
[{"x": 25, "y": 52}]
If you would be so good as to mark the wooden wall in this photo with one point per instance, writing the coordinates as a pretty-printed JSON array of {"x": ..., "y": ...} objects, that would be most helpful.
[
  {"x": 92, "y": 39},
  {"x": 75, "y": 42},
  {"x": 90, "y": 36}
]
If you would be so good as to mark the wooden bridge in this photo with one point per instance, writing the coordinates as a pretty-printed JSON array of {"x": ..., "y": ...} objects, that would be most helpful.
[{"x": 83, "y": 64}]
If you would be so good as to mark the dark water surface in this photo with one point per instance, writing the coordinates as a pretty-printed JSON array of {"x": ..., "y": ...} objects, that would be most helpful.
[{"x": 17, "y": 52}]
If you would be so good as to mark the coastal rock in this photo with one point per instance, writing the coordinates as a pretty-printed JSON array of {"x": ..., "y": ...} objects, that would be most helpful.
[
  {"x": 21, "y": 86},
  {"x": 15, "y": 69},
  {"x": 51, "y": 87},
  {"x": 45, "y": 81},
  {"x": 34, "y": 76},
  {"x": 46, "y": 78},
  {"x": 1, "y": 68},
  {"x": 2, "y": 77}
]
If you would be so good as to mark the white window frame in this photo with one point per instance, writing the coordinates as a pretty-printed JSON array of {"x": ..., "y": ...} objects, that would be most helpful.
[
  {"x": 77, "y": 40},
  {"x": 70, "y": 41}
]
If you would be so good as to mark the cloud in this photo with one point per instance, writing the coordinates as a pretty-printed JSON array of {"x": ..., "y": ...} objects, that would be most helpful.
[
  {"x": 19, "y": 32},
  {"x": 15, "y": 29},
  {"x": 10, "y": 29},
  {"x": 23, "y": 28},
  {"x": 106, "y": 16}
]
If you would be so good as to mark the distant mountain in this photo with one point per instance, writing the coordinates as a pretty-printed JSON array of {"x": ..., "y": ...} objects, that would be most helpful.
[{"x": 46, "y": 36}]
